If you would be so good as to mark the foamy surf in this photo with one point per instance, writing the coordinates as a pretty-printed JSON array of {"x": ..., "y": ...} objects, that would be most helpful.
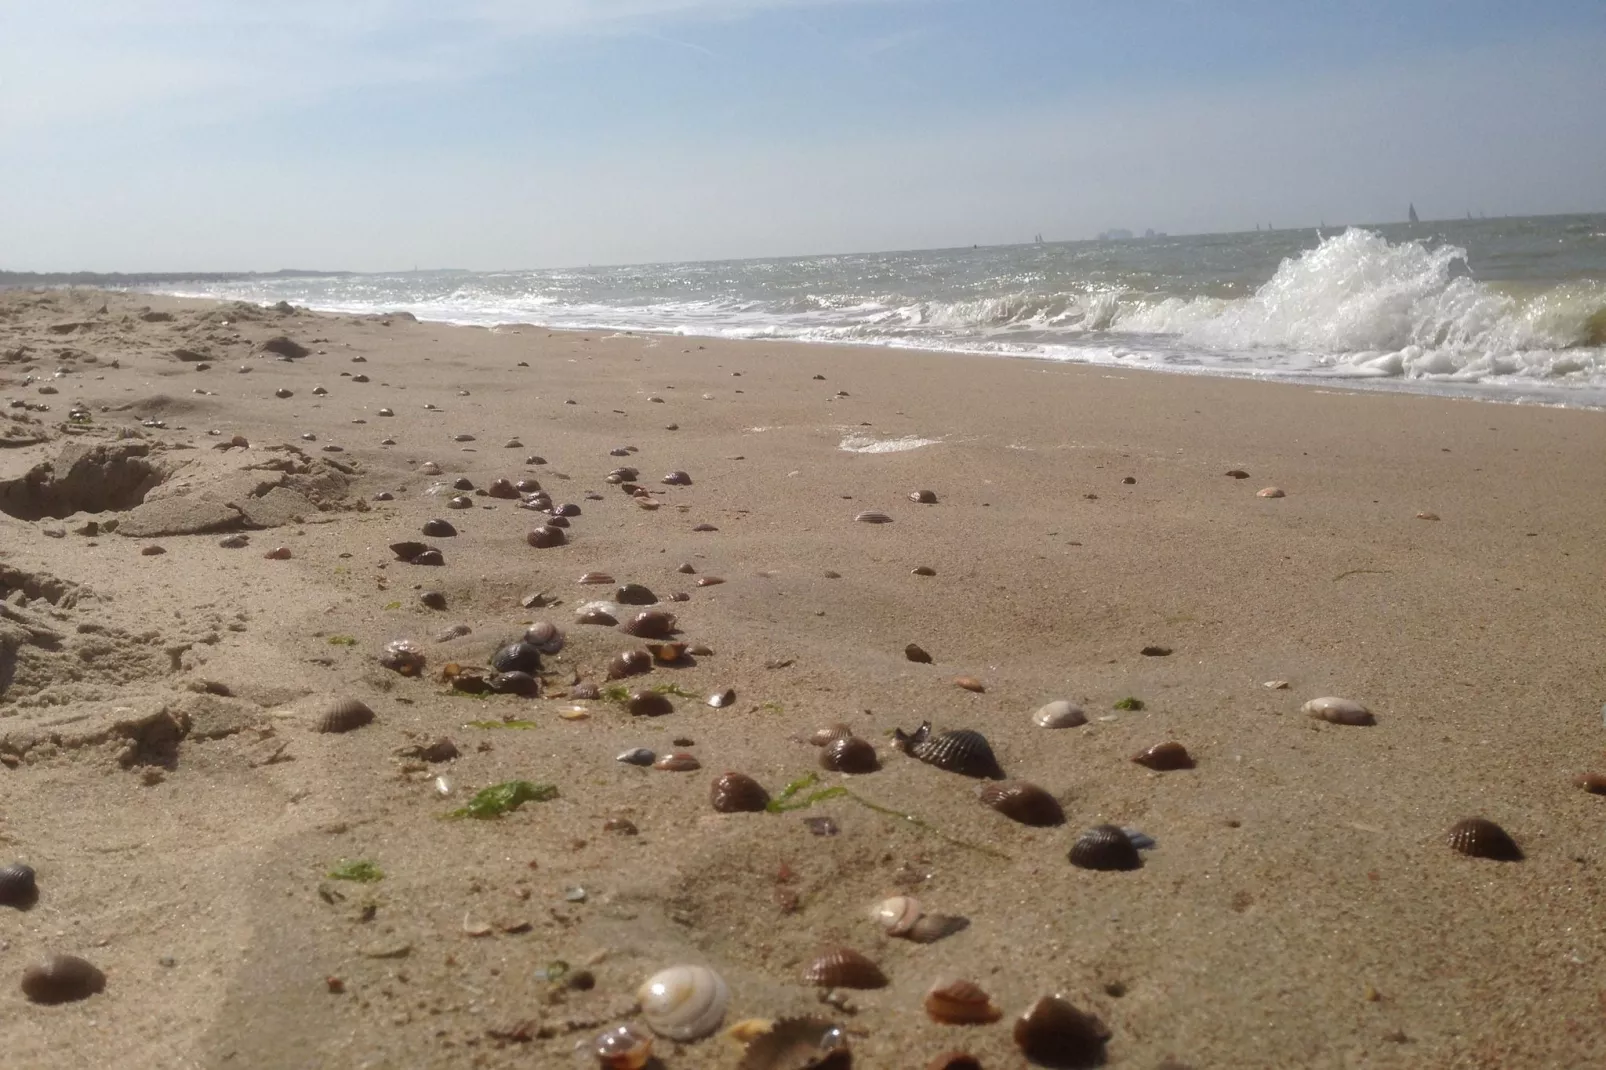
[{"x": 865, "y": 444}]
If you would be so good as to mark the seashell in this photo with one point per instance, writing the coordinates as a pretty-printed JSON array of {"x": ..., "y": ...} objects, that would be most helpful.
[
  {"x": 822, "y": 737},
  {"x": 567, "y": 509},
  {"x": 1165, "y": 757},
  {"x": 1594, "y": 783},
  {"x": 502, "y": 488},
  {"x": 1059, "y": 714},
  {"x": 686, "y": 568},
  {"x": 527, "y": 486},
  {"x": 403, "y": 656},
  {"x": 544, "y": 636},
  {"x": 1023, "y": 802},
  {"x": 850, "y": 755},
  {"x": 915, "y": 652},
  {"x": 284, "y": 553},
  {"x": 429, "y": 557},
  {"x": 651, "y": 624},
  {"x": 629, "y": 663},
  {"x": 677, "y": 479},
  {"x": 515, "y": 682},
  {"x": 595, "y": 615},
  {"x": 897, "y": 914},
  {"x": 622, "y": 1048},
  {"x": 470, "y": 683},
  {"x": 17, "y": 886},
  {"x": 342, "y": 715},
  {"x": 954, "y": 1060},
  {"x": 843, "y": 967},
  {"x": 634, "y": 594},
  {"x": 929, "y": 928},
  {"x": 1105, "y": 847},
  {"x": 62, "y": 979},
  {"x": 667, "y": 653},
  {"x": 873, "y": 517},
  {"x": 1237, "y": 473},
  {"x": 432, "y": 600},
  {"x": 684, "y": 1002},
  {"x": 678, "y": 762},
  {"x": 1339, "y": 711},
  {"x": 586, "y": 690},
  {"x": 970, "y": 683},
  {"x": 545, "y": 537},
  {"x": 595, "y": 577},
  {"x": 960, "y": 1003},
  {"x": 438, "y": 529},
  {"x": 735, "y": 793},
  {"x": 648, "y": 704},
  {"x": 517, "y": 657},
  {"x": 462, "y": 483},
  {"x": 700, "y": 650},
  {"x": 1481, "y": 838},
  {"x": 704, "y": 527},
  {"x": 720, "y": 699},
  {"x": 1055, "y": 1033},
  {"x": 965, "y": 752},
  {"x": 636, "y": 756},
  {"x": 710, "y": 581},
  {"x": 624, "y": 475},
  {"x": 1269, "y": 492},
  {"x": 406, "y": 551},
  {"x": 923, "y": 497},
  {"x": 460, "y": 501},
  {"x": 798, "y": 1044},
  {"x": 430, "y": 468}
]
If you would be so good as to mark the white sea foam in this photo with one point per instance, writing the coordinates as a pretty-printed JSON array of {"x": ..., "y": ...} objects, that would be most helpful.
[{"x": 865, "y": 444}]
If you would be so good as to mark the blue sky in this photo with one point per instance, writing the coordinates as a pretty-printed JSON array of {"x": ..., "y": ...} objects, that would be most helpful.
[{"x": 210, "y": 134}]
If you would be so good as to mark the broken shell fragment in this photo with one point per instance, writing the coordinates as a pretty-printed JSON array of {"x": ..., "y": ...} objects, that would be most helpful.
[
  {"x": 1055, "y": 1033},
  {"x": 1105, "y": 848},
  {"x": 735, "y": 793},
  {"x": 1478, "y": 837},
  {"x": 1023, "y": 802},
  {"x": 1339, "y": 711},
  {"x": 1060, "y": 713},
  {"x": 1165, "y": 757},
  {"x": 720, "y": 699},
  {"x": 629, "y": 663},
  {"x": 843, "y": 967},
  {"x": 960, "y": 1003},
  {"x": 684, "y": 1002},
  {"x": 623, "y": 1048}
]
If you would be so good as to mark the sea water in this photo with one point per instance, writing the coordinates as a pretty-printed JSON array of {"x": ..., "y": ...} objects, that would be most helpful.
[{"x": 1512, "y": 309}]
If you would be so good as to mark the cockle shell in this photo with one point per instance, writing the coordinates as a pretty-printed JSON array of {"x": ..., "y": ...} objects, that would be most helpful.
[
  {"x": 342, "y": 715},
  {"x": 798, "y": 1044},
  {"x": 897, "y": 914},
  {"x": 544, "y": 636},
  {"x": 623, "y": 1048},
  {"x": 62, "y": 979},
  {"x": 1165, "y": 757},
  {"x": 667, "y": 653},
  {"x": 636, "y": 756},
  {"x": 1055, "y": 1033},
  {"x": 923, "y": 497},
  {"x": 929, "y": 928},
  {"x": 629, "y": 663},
  {"x": 439, "y": 529},
  {"x": 684, "y": 1002},
  {"x": 1023, "y": 802},
  {"x": 736, "y": 793},
  {"x": 649, "y": 704},
  {"x": 651, "y": 624},
  {"x": 843, "y": 967},
  {"x": 408, "y": 550},
  {"x": 17, "y": 885},
  {"x": 828, "y": 734},
  {"x": 517, "y": 657},
  {"x": 595, "y": 578},
  {"x": 545, "y": 537},
  {"x": 960, "y": 1003},
  {"x": 1061, "y": 713},
  {"x": 677, "y": 479},
  {"x": 1339, "y": 711},
  {"x": 963, "y": 751},
  {"x": 871, "y": 516},
  {"x": 1105, "y": 847},
  {"x": 1269, "y": 492},
  {"x": 502, "y": 488},
  {"x": 1481, "y": 838},
  {"x": 850, "y": 754}
]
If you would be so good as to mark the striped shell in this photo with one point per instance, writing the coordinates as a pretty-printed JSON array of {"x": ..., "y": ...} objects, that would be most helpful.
[
  {"x": 1023, "y": 802},
  {"x": 684, "y": 1002},
  {"x": 544, "y": 636},
  {"x": 843, "y": 967},
  {"x": 342, "y": 715},
  {"x": 1105, "y": 847},
  {"x": 648, "y": 704},
  {"x": 1339, "y": 711},
  {"x": 828, "y": 734},
  {"x": 963, "y": 751},
  {"x": 545, "y": 537},
  {"x": 17, "y": 885},
  {"x": 595, "y": 578},
  {"x": 1059, "y": 714},
  {"x": 1165, "y": 757},
  {"x": 678, "y": 762},
  {"x": 62, "y": 979},
  {"x": 735, "y": 793},
  {"x": 651, "y": 624},
  {"x": 629, "y": 663},
  {"x": 798, "y": 1044},
  {"x": 872, "y": 517},
  {"x": 1055, "y": 1033},
  {"x": 961, "y": 1003},
  {"x": 850, "y": 755},
  {"x": 897, "y": 915},
  {"x": 517, "y": 657},
  {"x": 595, "y": 614},
  {"x": 1481, "y": 838},
  {"x": 623, "y": 1048}
]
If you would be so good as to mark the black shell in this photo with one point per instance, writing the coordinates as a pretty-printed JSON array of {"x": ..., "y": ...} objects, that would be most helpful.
[
  {"x": 343, "y": 715},
  {"x": 406, "y": 550},
  {"x": 1481, "y": 838},
  {"x": 1054, "y": 1033},
  {"x": 1105, "y": 847},
  {"x": 963, "y": 751},
  {"x": 545, "y": 537},
  {"x": 517, "y": 657},
  {"x": 429, "y": 557},
  {"x": 634, "y": 594},
  {"x": 1023, "y": 802},
  {"x": 17, "y": 887},
  {"x": 462, "y": 483},
  {"x": 843, "y": 967},
  {"x": 515, "y": 683},
  {"x": 651, "y": 624},
  {"x": 849, "y": 754},
  {"x": 439, "y": 529},
  {"x": 1165, "y": 757},
  {"x": 629, "y": 663},
  {"x": 432, "y": 599},
  {"x": 62, "y": 979},
  {"x": 567, "y": 509},
  {"x": 735, "y": 793},
  {"x": 649, "y": 704}
]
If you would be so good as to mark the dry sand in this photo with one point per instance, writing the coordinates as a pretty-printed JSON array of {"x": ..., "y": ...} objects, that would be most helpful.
[{"x": 1301, "y": 907}]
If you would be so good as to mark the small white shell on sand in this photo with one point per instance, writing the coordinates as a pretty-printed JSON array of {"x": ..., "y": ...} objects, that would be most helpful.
[
  {"x": 1339, "y": 711},
  {"x": 1061, "y": 713},
  {"x": 1269, "y": 492},
  {"x": 898, "y": 914},
  {"x": 1275, "y": 685},
  {"x": 684, "y": 1002}
]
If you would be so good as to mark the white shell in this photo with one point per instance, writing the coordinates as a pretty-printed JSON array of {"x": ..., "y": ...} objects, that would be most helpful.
[
  {"x": 898, "y": 914},
  {"x": 1332, "y": 708},
  {"x": 544, "y": 636},
  {"x": 1059, "y": 714},
  {"x": 684, "y": 1002}
]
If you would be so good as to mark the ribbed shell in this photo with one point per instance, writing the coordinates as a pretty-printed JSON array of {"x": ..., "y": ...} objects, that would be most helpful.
[
  {"x": 1060, "y": 713},
  {"x": 635, "y": 594},
  {"x": 429, "y": 557},
  {"x": 629, "y": 663},
  {"x": 963, "y": 751},
  {"x": 1105, "y": 847},
  {"x": 1023, "y": 802},
  {"x": 342, "y": 715},
  {"x": 517, "y": 657},
  {"x": 873, "y": 517},
  {"x": 624, "y": 475},
  {"x": 1055, "y": 1033},
  {"x": 544, "y": 636},
  {"x": 651, "y": 624},
  {"x": 1481, "y": 838},
  {"x": 961, "y": 1003},
  {"x": 828, "y": 734},
  {"x": 684, "y": 1002},
  {"x": 678, "y": 762},
  {"x": 622, "y": 1048},
  {"x": 737, "y": 793},
  {"x": 595, "y": 578},
  {"x": 62, "y": 979},
  {"x": 897, "y": 914},
  {"x": 1339, "y": 711},
  {"x": 585, "y": 691},
  {"x": 1165, "y": 757},
  {"x": 798, "y": 1044},
  {"x": 439, "y": 529},
  {"x": 596, "y": 615},
  {"x": 850, "y": 755},
  {"x": 515, "y": 683},
  {"x": 17, "y": 885},
  {"x": 843, "y": 967},
  {"x": 502, "y": 488},
  {"x": 648, "y": 704},
  {"x": 545, "y": 537}
]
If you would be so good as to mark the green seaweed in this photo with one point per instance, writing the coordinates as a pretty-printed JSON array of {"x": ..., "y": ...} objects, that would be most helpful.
[
  {"x": 1129, "y": 703},
  {"x": 783, "y": 803},
  {"x": 676, "y": 690},
  {"x": 342, "y": 640},
  {"x": 392, "y": 605},
  {"x": 359, "y": 871},
  {"x": 503, "y": 724},
  {"x": 772, "y": 707},
  {"x": 499, "y": 799},
  {"x": 617, "y": 693}
]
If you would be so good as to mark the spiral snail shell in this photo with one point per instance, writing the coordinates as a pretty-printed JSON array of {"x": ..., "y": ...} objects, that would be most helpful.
[{"x": 684, "y": 1002}]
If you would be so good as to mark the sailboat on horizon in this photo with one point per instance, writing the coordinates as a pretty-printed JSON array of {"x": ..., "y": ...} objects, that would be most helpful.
[{"x": 1412, "y": 214}]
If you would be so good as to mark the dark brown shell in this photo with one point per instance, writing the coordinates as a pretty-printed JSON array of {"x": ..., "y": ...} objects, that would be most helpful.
[
  {"x": 678, "y": 762},
  {"x": 798, "y": 1044},
  {"x": 460, "y": 501},
  {"x": 629, "y": 663},
  {"x": 843, "y": 967},
  {"x": 649, "y": 704},
  {"x": 961, "y": 1003},
  {"x": 677, "y": 479},
  {"x": 585, "y": 690},
  {"x": 1023, "y": 802},
  {"x": 407, "y": 550},
  {"x": 545, "y": 636},
  {"x": 545, "y": 537},
  {"x": 517, "y": 657},
  {"x": 915, "y": 652},
  {"x": 343, "y": 715},
  {"x": 735, "y": 793},
  {"x": 62, "y": 979},
  {"x": 651, "y": 624},
  {"x": 1105, "y": 847},
  {"x": 635, "y": 594},
  {"x": 963, "y": 751},
  {"x": 954, "y": 1060},
  {"x": 1481, "y": 838},
  {"x": 624, "y": 475},
  {"x": 1594, "y": 783},
  {"x": 850, "y": 754},
  {"x": 17, "y": 886},
  {"x": 438, "y": 529},
  {"x": 825, "y": 736},
  {"x": 515, "y": 683},
  {"x": 1165, "y": 757},
  {"x": 502, "y": 488},
  {"x": 432, "y": 600},
  {"x": 667, "y": 653},
  {"x": 1054, "y": 1033},
  {"x": 527, "y": 486},
  {"x": 429, "y": 557},
  {"x": 924, "y": 497}
]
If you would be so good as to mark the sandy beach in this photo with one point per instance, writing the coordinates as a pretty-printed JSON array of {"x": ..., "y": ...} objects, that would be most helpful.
[{"x": 1439, "y": 561}]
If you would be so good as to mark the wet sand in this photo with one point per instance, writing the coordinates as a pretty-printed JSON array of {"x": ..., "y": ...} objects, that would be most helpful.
[{"x": 1300, "y": 907}]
